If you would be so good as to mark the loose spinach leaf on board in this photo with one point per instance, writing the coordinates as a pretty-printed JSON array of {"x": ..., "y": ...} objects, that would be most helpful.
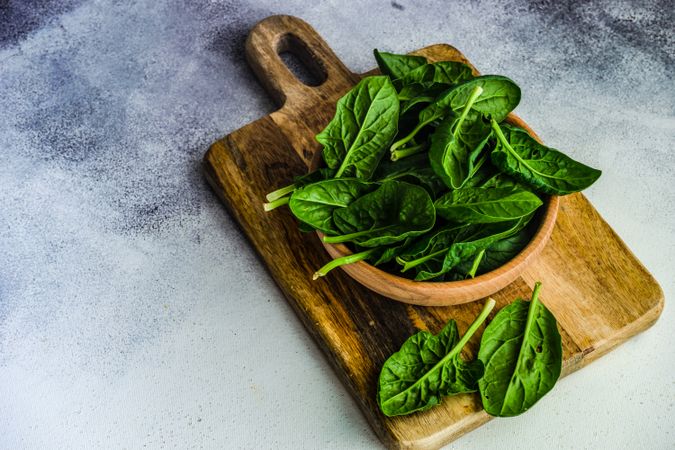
[
  {"x": 482, "y": 205},
  {"x": 438, "y": 252},
  {"x": 428, "y": 367},
  {"x": 545, "y": 169},
  {"x": 522, "y": 352},
  {"x": 392, "y": 213},
  {"x": 314, "y": 204},
  {"x": 499, "y": 96},
  {"x": 365, "y": 122},
  {"x": 397, "y": 66},
  {"x": 456, "y": 145}
]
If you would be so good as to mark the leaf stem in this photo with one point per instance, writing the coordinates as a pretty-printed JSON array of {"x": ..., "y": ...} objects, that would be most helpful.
[
  {"x": 476, "y": 263},
  {"x": 487, "y": 308},
  {"x": 276, "y": 203},
  {"x": 284, "y": 191},
  {"x": 344, "y": 260},
  {"x": 475, "y": 93},
  {"x": 410, "y": 136},
  {"x": 407, "y": 265},
  {"x": 405, "y": 152},
  {"x": 351, "y": 236}
]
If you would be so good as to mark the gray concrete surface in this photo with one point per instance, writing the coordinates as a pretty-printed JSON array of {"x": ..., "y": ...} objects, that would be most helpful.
[{"x": 133, "y": 313}]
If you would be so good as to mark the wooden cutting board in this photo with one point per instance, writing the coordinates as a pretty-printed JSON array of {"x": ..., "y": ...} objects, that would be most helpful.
[{"x": 599, "y": 292}]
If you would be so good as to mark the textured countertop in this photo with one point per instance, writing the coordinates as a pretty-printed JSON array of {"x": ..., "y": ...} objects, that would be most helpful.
[{"x": 133, "y": 313}]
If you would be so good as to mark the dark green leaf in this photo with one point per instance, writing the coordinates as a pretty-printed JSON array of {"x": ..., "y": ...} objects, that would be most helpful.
[
  {"x": 438, "y": 252},
  {"x": 522, "y": 352},
  {"x": 455, "y": 147},
  {"x": 314, "y": 204},
  {"x": 397, "y": 66},
  {"x": 413, "y": 169},
  {"x": 499, "y": 253},
  {"x": 545, "y": 169},
  {"x": 500, "y": 96},
  {"x": 393, "y": 212},
  {"x": 428, "y": 367},
  {"x": 484, "y": 205},
  {"x": 364, "y": 125}
]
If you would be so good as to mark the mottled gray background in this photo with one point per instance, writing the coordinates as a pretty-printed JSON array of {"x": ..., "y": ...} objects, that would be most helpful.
[{"x": 134, "y": 313}]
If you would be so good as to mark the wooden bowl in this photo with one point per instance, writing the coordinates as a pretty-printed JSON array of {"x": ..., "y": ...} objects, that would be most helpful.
[{"x": 446, "y": 293}]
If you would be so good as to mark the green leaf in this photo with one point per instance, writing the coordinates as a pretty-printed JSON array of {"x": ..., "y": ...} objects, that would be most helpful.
[
  {"x": 314, "y": 204},
  {"x": 456, "y": 145},
  {"x": 364, "y": 125},
  {"x": 545, "y": 169},
  {"x": 397, "y": 66},
  {"x": 485, "y": 205},
  {"x": 428, "y": 367},
  {"x": 438, "y": 252},
  {"x": 499, "y": 96},
  {"x": 497, "y": 254},
  {"x": 393, "y": 212},
  {"x": 522, "y": 352},
  {"x": 414, "y": 169}
]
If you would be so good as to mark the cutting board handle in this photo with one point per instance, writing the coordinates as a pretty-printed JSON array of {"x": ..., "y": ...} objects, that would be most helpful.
[{"x": 278, "y": 34}]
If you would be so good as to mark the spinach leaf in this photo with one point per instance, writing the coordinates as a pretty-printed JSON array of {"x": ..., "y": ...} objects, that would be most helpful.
[
  {"x": 428, "y": 367},
  {"x": 499, "y": 96},
  {"x": 442, "y": 72},
  {"x": 434, "y": 77},
  {"x": 522, "y": 353},
  {"x": 314, "y": 204},
  {"x": 397, "y": 66},
  {"x": 413, "y": 169},
  {"x": 393, "y": 212},
  {"x": 456, "y": 145},
  {"x": 545, "y": 169},
  {"x": 365, "y": 122},
  {"x": 303, "y": 180},
  {"x": 438, "y": 252},
  {"x": 498, "y": 253},
  {"x": 501, "y": 180},
  {"x": 482, "y": 205}
]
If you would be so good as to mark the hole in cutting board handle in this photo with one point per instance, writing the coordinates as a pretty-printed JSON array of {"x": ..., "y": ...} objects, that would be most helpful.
[{"x": 300, "y": 61}]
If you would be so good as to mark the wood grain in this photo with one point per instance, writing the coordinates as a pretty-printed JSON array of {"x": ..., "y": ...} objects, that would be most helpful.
[{"x": 599, "y": 292}]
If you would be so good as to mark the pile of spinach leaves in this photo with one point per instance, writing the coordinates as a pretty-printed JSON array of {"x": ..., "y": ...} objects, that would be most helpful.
[
  {"x": 422, "y": 175},
  {"x": 518, "y": 362}
]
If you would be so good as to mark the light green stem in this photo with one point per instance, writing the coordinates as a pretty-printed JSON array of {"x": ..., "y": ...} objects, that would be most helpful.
[
  {"x": 349, "y": 259},
  {"x": 477, "y": 91},
  {"x": 409, "y": 151},
  {"x": 476, "y": 263},
  {"x": 351, "y": 236},
  {"x": 284, "y": 191},
  {"x": 401, "y": 142},
  {"x": 487, "y": 308},
  {"x": 407, "y": 265},
  {"x": 276, "y": 203}
]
